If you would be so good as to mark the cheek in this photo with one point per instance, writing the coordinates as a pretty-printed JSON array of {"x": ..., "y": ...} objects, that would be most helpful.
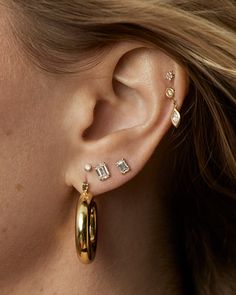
[
  {"x": 32, "y": 188},
  {"x": 31, "y": 196}
]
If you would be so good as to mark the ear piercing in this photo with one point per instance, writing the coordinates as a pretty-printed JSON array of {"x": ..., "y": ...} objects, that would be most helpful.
[
  {"x": 88, "y": 167},
  {"x": 170, "y": 75},
  {"x": 102, "y": 169},
  {"x": 86, "y": 226},
  {"x": 170, "y": 93},
  {"x": 123, "y": 166}
]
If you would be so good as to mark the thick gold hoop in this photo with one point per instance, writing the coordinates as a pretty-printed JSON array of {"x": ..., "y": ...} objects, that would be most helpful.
[{"x": 86, "y": 227}]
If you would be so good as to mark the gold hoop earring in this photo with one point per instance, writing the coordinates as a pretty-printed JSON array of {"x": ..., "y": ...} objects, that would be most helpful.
[{"x": 86, "y": 226}]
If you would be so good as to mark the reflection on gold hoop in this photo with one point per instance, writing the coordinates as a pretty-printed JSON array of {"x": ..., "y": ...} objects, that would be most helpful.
[{"x": 86, "y": 226}]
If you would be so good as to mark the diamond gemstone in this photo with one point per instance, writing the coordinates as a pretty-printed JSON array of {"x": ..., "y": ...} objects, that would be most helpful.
[
  {"x": 175, "y": 118},
  {"x": 102, "y": 171},
  {"x": 88, "y": 167},
  {"x": 170, "y": 75},
  {"x": 123, "y": 166}
]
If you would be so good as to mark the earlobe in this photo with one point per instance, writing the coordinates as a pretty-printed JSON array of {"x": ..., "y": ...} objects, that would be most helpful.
[{"x": 141, "y": 97}]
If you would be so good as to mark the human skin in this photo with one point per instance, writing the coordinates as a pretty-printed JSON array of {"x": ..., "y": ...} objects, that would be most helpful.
[{"x": 42, "y": 154}]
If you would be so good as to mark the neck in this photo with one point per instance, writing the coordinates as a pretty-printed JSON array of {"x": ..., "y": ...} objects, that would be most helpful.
[{"x": 134, "y": 252}]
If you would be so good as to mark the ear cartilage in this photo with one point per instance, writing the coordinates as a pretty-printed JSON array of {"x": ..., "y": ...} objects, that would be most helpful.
[
  {"x": 102, "y": 171},
  {"x": 123, "y": 166},
  {"x": 170, "y": 75},
  {"x": 88, "y": 167}
]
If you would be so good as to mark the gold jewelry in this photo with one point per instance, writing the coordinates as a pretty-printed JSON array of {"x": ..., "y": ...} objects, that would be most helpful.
[
  {"x": 170, "y": 92},
  {"x": 123, "y": 166},
  {"x": 102, "y": 171},
  {"x": 170, "y": 75},
  {"x": 86, "y": 226},
  {"x": 175, "y": 116},
  {"x": 88, "y": 167}
]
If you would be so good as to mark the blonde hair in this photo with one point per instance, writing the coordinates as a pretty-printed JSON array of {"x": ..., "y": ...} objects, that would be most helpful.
[{"x": 201, "y": 36}]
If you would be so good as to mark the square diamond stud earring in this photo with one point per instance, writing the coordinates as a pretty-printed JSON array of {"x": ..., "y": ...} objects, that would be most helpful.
[
  {"x": 102, "y": 171},
  {"x": 123, "y": 166}
]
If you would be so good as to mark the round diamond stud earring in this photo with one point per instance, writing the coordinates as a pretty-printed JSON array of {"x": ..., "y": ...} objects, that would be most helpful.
[{"x": 88, "y": 167}]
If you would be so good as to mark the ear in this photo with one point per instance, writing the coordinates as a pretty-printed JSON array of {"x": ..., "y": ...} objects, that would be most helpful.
[{"x": 121, "y": 112}]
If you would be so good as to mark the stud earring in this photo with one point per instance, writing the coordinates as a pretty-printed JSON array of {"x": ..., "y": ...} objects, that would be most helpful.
[
  {"x": 170, "y": 93},
  {"x": 170, "y": 75},
  {"x": 86, "y": 226},
  {"x": 88, "y": 167},
  {"x": 123, "y": 166},
  {"x": 102, "y": 171}
]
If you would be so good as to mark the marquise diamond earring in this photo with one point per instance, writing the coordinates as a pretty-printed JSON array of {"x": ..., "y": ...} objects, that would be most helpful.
[
  {"x": 175, "y": 117},
  {"x": 170, "y": 93}
]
